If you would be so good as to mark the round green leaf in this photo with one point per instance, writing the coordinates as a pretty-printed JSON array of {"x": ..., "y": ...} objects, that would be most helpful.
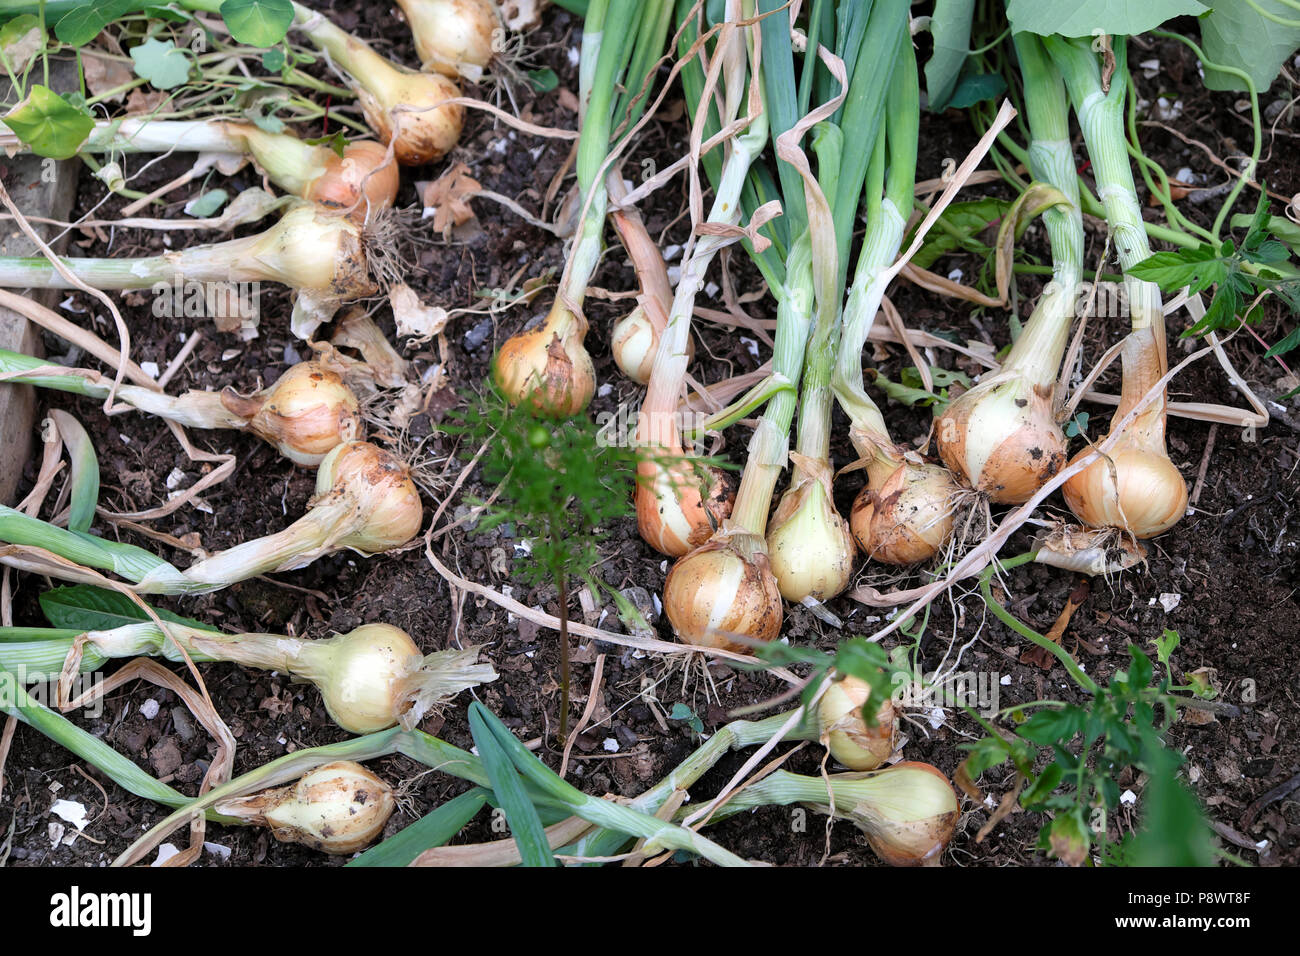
[
  {"x": 258, "y": 22},
  {"x": 82, "y": 24},
  {"x": 20, "y": 39},
  {"x": 48, "y": 124},
  {"x": 161, "y": 63}
]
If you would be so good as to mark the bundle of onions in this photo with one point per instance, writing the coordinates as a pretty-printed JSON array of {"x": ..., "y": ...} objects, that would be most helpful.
[
  {"x": 322, "y": 255},
  {"x": 908, "y": 811},
  {"x": 306, "y": 413},
  {"x": 407, "y": 109},
  {"x": 1002, "y": 435},
  {"x": 548, "y": 367},
  {"x": 1134, "y": 486},
  {"x": 337, "y": 808},
  {"x": 454, "y": 37},
  {"x": 370, "y": 678},
  {"x": 904, "y": 514},
  {"x": 360, "y": 180},
  {"x": 365, "y": 502},
  {"x": 845, "y": 732}
]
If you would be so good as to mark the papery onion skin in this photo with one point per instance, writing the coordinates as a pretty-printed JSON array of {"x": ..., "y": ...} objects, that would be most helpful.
[
  {"x": 448, "y": 33},
  {"x": 722, "y": 589},
  {"x": 915, "y": 831},
  {"x": 809, "y": 544},
  {"x": 845, "y": 732},
  {"x": 909, "y": 518},
  {"x": 547, "y": 368},
  {"x": 672, "y": 514},
  {"x": 364, "y": 172},
  {"x": 383, "y": 487},
  {"x": 1145, "y": 494},
  {"x": 305, "y": 414},
  {"x": 337, "y": 808},
  {"x": 426, "y": 132},
  {"x": 1001, "y": 437},
  {"x": 634, "y": 342},
  {"x": 362, "y": 681}
]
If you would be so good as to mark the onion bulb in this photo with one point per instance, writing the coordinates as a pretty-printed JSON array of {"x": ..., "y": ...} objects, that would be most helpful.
[
  {"x": 1002, "y": 437},
  {"x": 337, "y": 808},
  {"x": 808, "y": 543},
  {"x": 548, "y": 367},
  {"x": 305, "y": 414},
  {"x": 453, "y": 37},
  {"x": 844, "y": 731},
  {"x": 722, "y": 590},
  {"x": 908, "y": 812},
  {"x": 1134, "y": 486},
  {"x": 905, "y": 514},
  {"x": 679, "y": 504},
  {"x": 387, "y": 500},
  {"x": 362, "y": 179},
  {"x": 634, "y": 343}
]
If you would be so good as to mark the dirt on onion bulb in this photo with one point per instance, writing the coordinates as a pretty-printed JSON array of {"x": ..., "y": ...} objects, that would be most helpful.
[
  {"x": 722, "y": 590},
  {"x": 337, "y": 808},
  {"x": 454, "y": 37},
  {"x": 305, "y": 414},
  {"x": 844, "y": 731},
  {"x": 547, "y": 368}
]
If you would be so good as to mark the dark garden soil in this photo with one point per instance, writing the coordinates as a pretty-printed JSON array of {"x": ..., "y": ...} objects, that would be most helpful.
[{"x": 1225, "y": 578}]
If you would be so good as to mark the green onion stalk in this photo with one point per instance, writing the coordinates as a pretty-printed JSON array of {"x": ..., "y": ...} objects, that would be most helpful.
[
  {"x": 1134, "y": 487},
  {"x": 1002, "y": 436},
  {"x": 908, "y": 811},
  {"x": 727, "y": 592},
  {"x": 357, "y": 178},
  {"x": 305, "y": 414},
  {"x": 365, "y": 502},
  {"x": 370, "y": 678},
  {"x": 548, "y": 367},
  {"x": 678, "y": 502},
  {"x": 325, "y": 257}
]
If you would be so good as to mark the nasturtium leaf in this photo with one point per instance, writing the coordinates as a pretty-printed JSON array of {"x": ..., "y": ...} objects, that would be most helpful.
[
  {"x": 82, "y": 24},
  {"x": 974, "y": 88},
  {"x": 48, "y": 124},
  {"x": 1085, "y": 18},
  {"x": 273, "y": 60},
  {"x": 20, "y": 38},
  {"x": 1236, "y": 34},
  {"x": 258, "y": 22},
  {"x": 162, "y": 63}
]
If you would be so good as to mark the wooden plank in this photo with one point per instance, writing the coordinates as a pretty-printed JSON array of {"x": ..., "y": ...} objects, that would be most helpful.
[{"x": 38, "y": 187}]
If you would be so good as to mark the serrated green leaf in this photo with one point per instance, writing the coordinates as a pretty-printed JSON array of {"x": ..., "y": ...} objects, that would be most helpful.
[
  {"x": 1041, "y": 788},
  {"x": 1049, "y": 726},
  {"x": 1235, "y": 34},
  {"x": 82, "y": 607},
  {"x": 1165, "y": 645},
  {"x": 1288, "y": 342},
  {"x": 1197, "y": 268},
  {"x": 1141, "y": 672},
  {"x": 984, "y": 754},
  {"x": 258, "y": 22},
  {"x": 162, "y": 63},
  {"x": 48, "y": 124},
  {"x": 1083, "y": 18}
]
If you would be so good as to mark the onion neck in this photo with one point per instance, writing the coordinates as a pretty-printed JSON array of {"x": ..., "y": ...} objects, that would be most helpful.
[{"x": 353, "y": 55}]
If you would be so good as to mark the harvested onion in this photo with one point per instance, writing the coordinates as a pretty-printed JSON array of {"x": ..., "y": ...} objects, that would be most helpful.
[{"x": 844, "y": 731}]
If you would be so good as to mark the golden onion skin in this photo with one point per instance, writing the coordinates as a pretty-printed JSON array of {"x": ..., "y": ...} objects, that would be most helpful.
[
  {"x": 913, "y": 817},
  {"x": 722, "y": 589},
  {"x": 382, "y": 486},
  {"x": 1145, "y": 494},
  {"x": 547, "y": 369},
  {"x": 426, "y": 133},
  {"x": 679, "y": 506},
  {"x": 909, "y": 518},
  {"x": 366, "y": 669},
  {"x": 305, "y": 414},
  {"x": 337, "y": 808},
  {"x": 844, "y": 732},
  {"x": 452, "y": 33},
  {"x": 363, "y": 173},
  {"x": 1002, "y": 437},
  {"x": 809, "y": 544}
]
